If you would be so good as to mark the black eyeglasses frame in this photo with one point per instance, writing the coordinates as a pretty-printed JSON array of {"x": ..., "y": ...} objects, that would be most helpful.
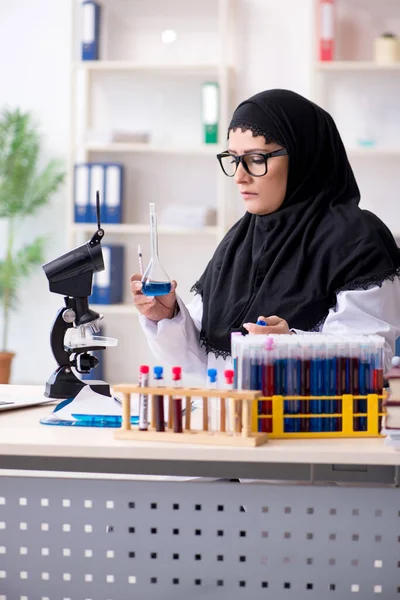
[{"x": 240, "y": 159}]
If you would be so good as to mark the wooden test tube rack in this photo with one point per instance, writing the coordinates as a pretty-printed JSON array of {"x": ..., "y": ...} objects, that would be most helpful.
[{"x": 241, "y": 403}]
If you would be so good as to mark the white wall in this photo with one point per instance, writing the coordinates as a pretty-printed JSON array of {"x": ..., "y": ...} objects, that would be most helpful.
[
  {"x": 35, "y": 51},
  {"x": 276, "y": 45}
]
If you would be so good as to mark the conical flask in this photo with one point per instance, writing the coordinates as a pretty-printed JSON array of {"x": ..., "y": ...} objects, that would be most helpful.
[{"x": 155, "y": 280}]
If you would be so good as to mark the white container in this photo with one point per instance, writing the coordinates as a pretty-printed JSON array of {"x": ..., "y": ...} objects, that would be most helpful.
[
  {"x": 386, "y": 50},
  {"x": 188, "y": 217}
]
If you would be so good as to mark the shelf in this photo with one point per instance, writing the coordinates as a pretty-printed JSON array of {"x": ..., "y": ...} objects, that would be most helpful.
[
  {"x": 115, "y": 309},
  {"x": 373, "y": 152},
  {"x": 130, "y": 228},
  {"x": 200, "y": 150},
  {"x": 178, "y": 69},
  {"x": 355, "y": 65}
]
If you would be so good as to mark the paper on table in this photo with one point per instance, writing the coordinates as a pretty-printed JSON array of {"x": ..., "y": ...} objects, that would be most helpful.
[{"x": 88, "y": 402}]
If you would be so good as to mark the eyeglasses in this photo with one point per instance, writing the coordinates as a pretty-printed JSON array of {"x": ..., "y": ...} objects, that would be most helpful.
[{"x": 254, "y": 163}]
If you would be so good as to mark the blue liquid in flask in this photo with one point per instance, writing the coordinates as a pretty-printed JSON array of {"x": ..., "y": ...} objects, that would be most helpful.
[{"x": 156, "y": 288}]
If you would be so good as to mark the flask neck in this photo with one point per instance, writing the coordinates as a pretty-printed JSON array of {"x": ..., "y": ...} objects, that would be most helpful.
[{"x": 153, "y": 236}]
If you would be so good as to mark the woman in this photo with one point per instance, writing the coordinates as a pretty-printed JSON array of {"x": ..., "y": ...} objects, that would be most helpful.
[{"x": 304, "y": 257}]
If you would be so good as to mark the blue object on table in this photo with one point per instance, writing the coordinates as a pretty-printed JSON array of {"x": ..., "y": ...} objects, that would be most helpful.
[
  {"x": 84, "y": 419},
  {"x": 92, "y": 421}
]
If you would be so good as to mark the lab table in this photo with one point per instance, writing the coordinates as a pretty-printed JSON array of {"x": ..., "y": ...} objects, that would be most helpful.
[{"x": 87, "y": 517}]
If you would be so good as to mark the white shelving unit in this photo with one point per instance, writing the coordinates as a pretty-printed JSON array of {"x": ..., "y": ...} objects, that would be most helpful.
[
  {"x": 200, "y": 150},
  {"x": 129, "y": 229},
  {"x": 183, "y": 68},
  {"x": 357, "y": 90},
  {"x": 355, "y": 65},
  {"x": 140, "y": 84},
  {"x": 117, "y": 309}
]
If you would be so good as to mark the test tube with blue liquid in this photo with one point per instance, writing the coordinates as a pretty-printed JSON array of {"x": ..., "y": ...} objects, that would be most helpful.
[
  {"x": 256, "y": 376},
  {"x": 213, "y": 406},
  {"x": 354, "y": 380},
  {"x": 341, "y": 379},
  {"x": 317, "y": 385},
  {"x": 330, "y": 377},
  {"x": 305, "y": 389},
  {"x": 365, "y": 382},
  {"x": 155, "y": 280},
  {"x": 295, "y": 383}
]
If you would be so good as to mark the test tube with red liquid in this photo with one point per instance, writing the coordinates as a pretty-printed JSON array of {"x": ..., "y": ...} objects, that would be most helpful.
[{"x": 177, "y": 400}]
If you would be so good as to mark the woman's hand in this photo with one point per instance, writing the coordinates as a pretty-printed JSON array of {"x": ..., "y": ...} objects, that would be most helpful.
[
  {"x": 155, "y": 308},
  {"x": 274, "y": 324}
]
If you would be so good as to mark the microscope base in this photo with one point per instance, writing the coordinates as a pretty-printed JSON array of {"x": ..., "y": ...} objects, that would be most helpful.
[{"x": 64, "y": 384}]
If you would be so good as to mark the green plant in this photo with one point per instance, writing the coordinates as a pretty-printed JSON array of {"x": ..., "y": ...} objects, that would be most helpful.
[{"x": 24, "y": 189}]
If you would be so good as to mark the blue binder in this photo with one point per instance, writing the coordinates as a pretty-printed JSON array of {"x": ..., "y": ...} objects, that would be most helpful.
[
  {"x": 108, "y": 284},
  {"x": 112, "y": 207},
  {"x": 107, "y": 178},
  {"x": 81, "y": 192},
  {"x": 90, "y": 30}
]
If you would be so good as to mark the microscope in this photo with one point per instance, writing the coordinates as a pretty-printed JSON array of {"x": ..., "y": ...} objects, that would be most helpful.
[{"x": 71, "y": 275}]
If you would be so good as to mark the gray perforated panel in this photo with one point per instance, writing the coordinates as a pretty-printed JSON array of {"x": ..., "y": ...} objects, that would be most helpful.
[{"x": 80, "y": 539}]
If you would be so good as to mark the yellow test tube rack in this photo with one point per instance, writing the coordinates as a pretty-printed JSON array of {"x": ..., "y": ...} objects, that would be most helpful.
[
  {"x": 346, "y": 417},
  {"x": 245, "y": 405}
]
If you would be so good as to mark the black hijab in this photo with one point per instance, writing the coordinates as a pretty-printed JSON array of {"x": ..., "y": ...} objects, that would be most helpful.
[{"x": 293, "y": 262}]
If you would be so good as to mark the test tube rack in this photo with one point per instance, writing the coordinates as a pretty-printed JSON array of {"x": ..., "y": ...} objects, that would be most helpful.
[{"x": 240, "y": 404}]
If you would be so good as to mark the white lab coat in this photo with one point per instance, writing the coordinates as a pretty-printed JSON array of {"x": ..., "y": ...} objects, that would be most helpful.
[{"x": 176, "y": 341}]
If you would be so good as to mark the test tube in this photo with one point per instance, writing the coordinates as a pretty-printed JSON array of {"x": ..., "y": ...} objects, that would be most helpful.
[
  {"x": 241, "y": 354},
  {"x": 256, "y": 378},
  {"x": 213, "y": 407},
  {"x": 235, "y": 335},
  {"x": 177, "y": 401},
  {"x": 378, "y": 365},
  {"x": 331, "y": 385},
  {"x": 341, "y": 362},
  {"x": 305, "y": 384},
  {"x": 290, "y": 425},
  {"x": 378, "y": 371},
  {"x": 229, "y": 376},
  {"x": 143, "y": 398},
  {"x": 295, "y": 361},
  {"x": 317, "y": 388},
  {"x": 279, "y": 370},
  {"x": 269, "y": 380},
  {"x": 349, "y": 381},
  {"x": 245, "y": 366},
  {"x": 354, "y": 380},
  {"x": 364, "y": 384},
  {"x": 159, "y": 400}
]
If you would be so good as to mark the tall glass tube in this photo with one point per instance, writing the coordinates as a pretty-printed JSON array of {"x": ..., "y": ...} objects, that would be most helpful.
[{"x": 155, "y": 280}]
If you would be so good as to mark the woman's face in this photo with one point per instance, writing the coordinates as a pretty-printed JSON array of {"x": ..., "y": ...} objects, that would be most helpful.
[{"x": 262, "y": 195}]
